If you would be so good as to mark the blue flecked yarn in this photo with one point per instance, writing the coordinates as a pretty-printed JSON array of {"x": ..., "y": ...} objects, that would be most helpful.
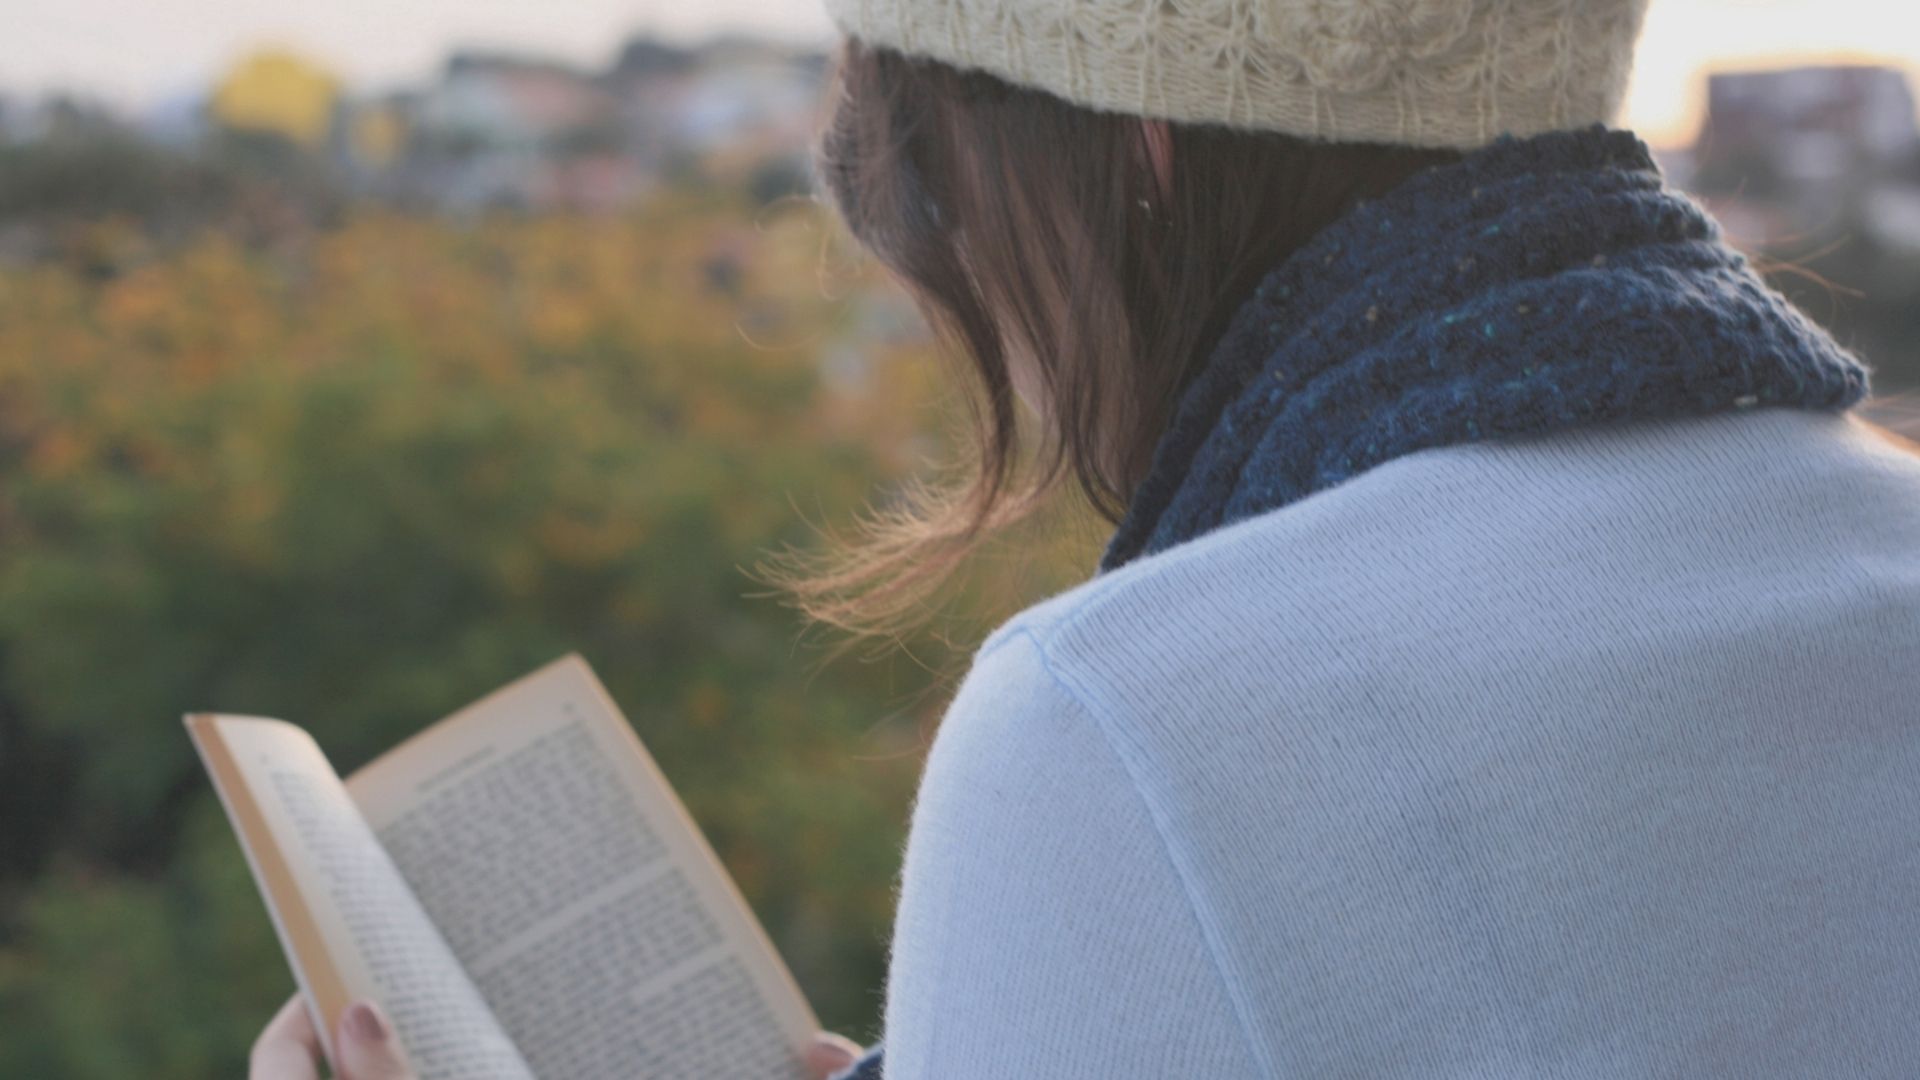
[{"x": 1534, "y": 284}]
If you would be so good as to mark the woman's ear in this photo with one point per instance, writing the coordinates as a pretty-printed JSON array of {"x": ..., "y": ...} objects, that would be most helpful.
[{"x": 1159, "y": 142}]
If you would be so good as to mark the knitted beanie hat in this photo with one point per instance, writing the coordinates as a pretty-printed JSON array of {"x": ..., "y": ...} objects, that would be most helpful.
[{"x": 1443, "y": 73}]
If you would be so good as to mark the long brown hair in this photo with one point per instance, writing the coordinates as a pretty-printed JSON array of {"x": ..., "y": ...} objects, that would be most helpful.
[{"x": 1021, "y": 223}]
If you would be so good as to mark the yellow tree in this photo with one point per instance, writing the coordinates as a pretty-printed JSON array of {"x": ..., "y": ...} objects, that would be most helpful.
[{"x": 277, "y": 90}]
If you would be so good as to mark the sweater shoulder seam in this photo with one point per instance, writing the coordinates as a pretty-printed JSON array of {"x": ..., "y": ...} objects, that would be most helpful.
[{"x": 1080, "y": 697}]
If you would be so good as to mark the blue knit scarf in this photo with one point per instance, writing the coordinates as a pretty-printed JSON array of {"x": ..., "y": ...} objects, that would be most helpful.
[{"x": 1536, "y": 283}]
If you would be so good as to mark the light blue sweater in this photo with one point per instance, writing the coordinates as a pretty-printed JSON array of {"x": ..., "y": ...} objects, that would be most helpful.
[{"x": 1587, "y": 754}]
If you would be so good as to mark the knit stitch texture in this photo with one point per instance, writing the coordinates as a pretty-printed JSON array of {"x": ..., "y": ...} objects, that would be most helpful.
[
  {"x": 1421, "y": 72},
  {"x": 1535, "y": 284}
]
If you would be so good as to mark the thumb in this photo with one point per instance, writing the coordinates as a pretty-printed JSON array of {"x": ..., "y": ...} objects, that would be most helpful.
[
  {"x": 828, "y": 1054},
  {"x": 369, "y": 1049}
]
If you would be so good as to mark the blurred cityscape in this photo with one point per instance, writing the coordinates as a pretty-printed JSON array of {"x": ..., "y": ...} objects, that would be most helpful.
[
  {"x": 1816, "y": 168},
  {"x": 348, "y": 408},
  {"x": 492, "y": 131}
]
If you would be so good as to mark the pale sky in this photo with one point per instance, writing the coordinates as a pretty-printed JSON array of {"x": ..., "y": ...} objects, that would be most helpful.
[{"x": 137, "y": 53}]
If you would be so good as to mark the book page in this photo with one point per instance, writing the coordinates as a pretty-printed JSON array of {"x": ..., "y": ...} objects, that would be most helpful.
[
  {"x": 345, "y": 917},
  {"x": 582, "y": 899}
]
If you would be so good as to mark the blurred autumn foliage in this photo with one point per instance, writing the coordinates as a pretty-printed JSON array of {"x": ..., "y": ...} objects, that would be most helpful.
[{"x": 363, "y": 473}]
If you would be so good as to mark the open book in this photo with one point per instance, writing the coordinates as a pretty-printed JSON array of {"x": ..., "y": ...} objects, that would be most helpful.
[{"x": 518, "y": 887}]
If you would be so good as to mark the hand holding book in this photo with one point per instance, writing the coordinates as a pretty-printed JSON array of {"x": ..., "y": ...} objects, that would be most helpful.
[
  {"x": 289, "y": 1049},
  {"x": 517, "y": 887}
]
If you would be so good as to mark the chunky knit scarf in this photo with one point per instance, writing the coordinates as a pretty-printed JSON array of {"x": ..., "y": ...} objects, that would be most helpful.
[{"x": 1534, "y": 284}]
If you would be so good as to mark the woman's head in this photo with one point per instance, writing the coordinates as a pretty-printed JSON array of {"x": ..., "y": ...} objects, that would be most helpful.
[
  {"x": 1081, "y": 262},
  {"x": 994, "y": 154}
]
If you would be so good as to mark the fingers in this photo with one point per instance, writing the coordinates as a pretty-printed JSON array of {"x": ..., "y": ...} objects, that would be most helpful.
[
  {"x": 288, "y": 1048},
  {"x": 829, "y": 1053},
  {"x": 369, "y": 1050}
]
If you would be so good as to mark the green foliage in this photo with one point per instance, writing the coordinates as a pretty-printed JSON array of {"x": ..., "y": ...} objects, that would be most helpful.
[
  {"x": 126, "y": 976},
  {"x": 359, "y": 481}
]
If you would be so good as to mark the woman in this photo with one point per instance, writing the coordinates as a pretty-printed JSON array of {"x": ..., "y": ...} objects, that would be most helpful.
[{"x": 1503, "y": 661}]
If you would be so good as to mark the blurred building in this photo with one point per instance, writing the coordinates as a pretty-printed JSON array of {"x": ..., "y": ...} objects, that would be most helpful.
[
  {"x": 1811, "y": 123},
  {"x": 522, "y": 132}
]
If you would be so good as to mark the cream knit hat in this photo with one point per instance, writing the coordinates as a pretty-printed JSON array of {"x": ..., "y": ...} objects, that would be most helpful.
[{"x": 1453, "y": 73}]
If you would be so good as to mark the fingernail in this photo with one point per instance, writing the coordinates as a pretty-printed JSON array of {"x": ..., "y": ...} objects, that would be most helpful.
[{"x": 364, "y": 1022}]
